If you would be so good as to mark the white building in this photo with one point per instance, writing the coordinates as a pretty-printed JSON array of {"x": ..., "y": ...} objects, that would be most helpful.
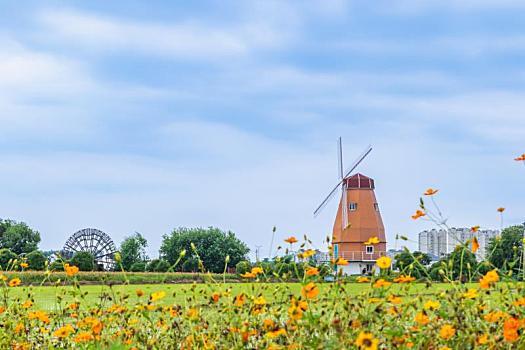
[{"x": 442, "y": 242}]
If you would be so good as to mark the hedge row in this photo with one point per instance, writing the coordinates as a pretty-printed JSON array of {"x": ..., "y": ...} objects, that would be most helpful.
[{"x": 39, "y": 277}]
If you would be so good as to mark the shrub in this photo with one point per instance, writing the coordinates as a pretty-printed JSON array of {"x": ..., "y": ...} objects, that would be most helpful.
[
  {"x": 152, "y": 265},
  {"x": 191, "y": 265},
  {"x": 243, "y": 267},
  {"x": 162, "y": 266},
  {"x": 36, "y": 260},
  {"x": 56, "y": 265},
  {"x": 84, "y": 261},
  {"x": 7, "y": 258},
  {"x": 139, "y": 266}
]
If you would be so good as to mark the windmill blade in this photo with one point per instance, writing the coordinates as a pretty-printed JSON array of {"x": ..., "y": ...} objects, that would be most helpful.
[
  {"x": 358, "y": 161},
  {"x": 340, "y": 157},
  {"x": 344, "y": 207},
  {"x": 327, "y": 199}
]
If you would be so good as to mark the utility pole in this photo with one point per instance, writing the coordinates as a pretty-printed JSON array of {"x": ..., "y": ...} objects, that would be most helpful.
[
  {"x": 523, "y": 254},
  {"x": 271, "y": 243}
]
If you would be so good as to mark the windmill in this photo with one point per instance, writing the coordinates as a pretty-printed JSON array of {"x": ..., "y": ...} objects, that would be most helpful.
[{"x": 357, "y": 219}]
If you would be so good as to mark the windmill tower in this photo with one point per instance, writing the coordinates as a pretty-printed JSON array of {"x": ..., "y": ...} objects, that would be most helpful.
[{"x": 358, "y": 218}]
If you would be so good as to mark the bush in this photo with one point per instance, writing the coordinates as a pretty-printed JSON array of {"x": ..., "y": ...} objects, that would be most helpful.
[
  {"x": 162, "y": 266},
  {"x": 84, "y": 261},
  {"x": 191, "y": 265},
  {"x": 243, "y": 267},
  {"x": 56, "y": 265},
  {"x": 152, "y": 265},
  {"x": 139, "y": 266},
  {"x": 6, "y": 259},
  {"x": 36, "y": 260}
]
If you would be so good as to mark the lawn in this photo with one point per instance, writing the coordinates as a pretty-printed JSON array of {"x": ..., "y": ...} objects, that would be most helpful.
[{"x": 46, "y": 296}]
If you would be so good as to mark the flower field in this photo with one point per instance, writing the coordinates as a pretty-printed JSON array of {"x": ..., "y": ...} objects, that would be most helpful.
[{"x": 385, "y": 311}]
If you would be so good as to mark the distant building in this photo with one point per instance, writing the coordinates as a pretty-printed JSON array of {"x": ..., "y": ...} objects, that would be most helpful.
[{"x": 442, "y": 242}]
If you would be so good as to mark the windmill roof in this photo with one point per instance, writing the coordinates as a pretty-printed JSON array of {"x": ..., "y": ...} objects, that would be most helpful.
[{"x": 359, "y": 181}]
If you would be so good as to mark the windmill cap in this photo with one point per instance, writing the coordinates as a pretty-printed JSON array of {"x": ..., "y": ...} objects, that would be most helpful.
[{"x": 359, "y": 181}]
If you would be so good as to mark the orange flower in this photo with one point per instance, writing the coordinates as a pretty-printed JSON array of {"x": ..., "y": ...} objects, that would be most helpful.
[
  {"x": 482, "y": 339},
  {"x": 139, "y": 292},
  {"x": 38, "y": 315},
  {"x": 15, "y": 282},
  {"x": 70, "y": 270},
  {"x": 248, "y": 275},
  {"x": 384, "y": 262},
  {"x": 381, "y": 283},
  {"x": 291, "y": 240},
  {"x": 362, "y": 279},
  {"x": 475, "y": 245},
  {"x": 27, "y": 304},
  {"x": 239, "y": 300},
  {"x": 520, "y": 158},
  {"x": 422, "y": 318},
  {"x": 310, "y": 291},
  {"x": 490, "y": 278},
  {"x": 418, "y": 214},
  {"x": 474, "y": 228},
  {"x": 430, "y": 192},
  {"x": 447, "y": 331},
  {"x": 312, "y": 271},
  {"x": 501, "y": 209},
  {"x": 83, "y": 337},
  {"x": 510, "y": 329},
  {"x": 215, "y": 297},
  {"x": 404, "y": 279}
]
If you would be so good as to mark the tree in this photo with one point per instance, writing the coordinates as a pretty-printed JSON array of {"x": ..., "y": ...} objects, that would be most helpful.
[
  {"x": 460, "y": 265},
  {"x": 505, "y": 252},
  {"x": 36, "y": 260},
  {"x": 133, "y": 250},
  {"x": 212, "y": 245},
  {"x": 6, "y": 259},
  {"x": 84, "y": 261},
  {"x": 18, "y": 237},
  {"x": 412, "y": 264}
]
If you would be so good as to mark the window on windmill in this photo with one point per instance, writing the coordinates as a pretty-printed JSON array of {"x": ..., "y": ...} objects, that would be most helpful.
[
  {"x": 352, "y": 206},
  {"x": 370, "y": 249},
  {"x": 376, "y": 206}
]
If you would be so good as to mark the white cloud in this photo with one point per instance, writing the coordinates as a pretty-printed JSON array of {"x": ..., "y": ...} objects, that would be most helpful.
[{"x": 185, "y": 39}]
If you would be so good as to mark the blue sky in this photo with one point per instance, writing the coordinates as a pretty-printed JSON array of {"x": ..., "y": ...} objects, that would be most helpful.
[{"x": 144, "y": 116}]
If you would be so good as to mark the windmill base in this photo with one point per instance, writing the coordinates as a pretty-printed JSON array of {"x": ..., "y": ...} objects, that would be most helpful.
[{"x": 357, "y": 268}]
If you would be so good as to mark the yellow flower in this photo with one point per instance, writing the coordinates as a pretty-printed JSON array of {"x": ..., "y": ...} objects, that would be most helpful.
[
  {"x": 83, "y": 337},
  {"x": 341, "y": 262},
  {"x": 366, "y": 341},
  {"x": 24, "y": 265},
  {"x": 306, "y": 254},
  {"x": 276, "y": 333},
  {"x": 384, "y": 262},
  {"x": 381, "y": 283},
  {"x": 519, "y": 302},
  {"x": 157, "y": 295},
  {"x": 248, "y": 275},
  {"x": 64, "y": 331},
  {"x": 422, "y": 318},
  {"x": 310, "y": 291},
  {"x": 27, "y": 304},
  {"x": 19, "y": 327},
  {"x": 3, "y": 277},
  {"x": 70, "y": 270},
  {"x": 362, "y": 279},
  {"x": 312, "y": 271},
  {"x": 15, "y": 282},
  {"x": 482, "y": 339},
  {"x": 295, "y": 311},
  {"x": 259, "y": 301},
  {"x": 430, "y": 192},
  {"x": 291, "y": 240},
  {"x": 372, "y": 241},
  {"x": 447, "y": 331},
  {"x": 471, "y": 294},
  {"x": 257, "y": 270},
  {"x": 38, "y": 315},
  {"x": 432, "y": 305}
]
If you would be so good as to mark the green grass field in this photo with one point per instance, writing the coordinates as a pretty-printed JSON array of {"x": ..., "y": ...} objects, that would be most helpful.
[{"x": 46, "y": 297}]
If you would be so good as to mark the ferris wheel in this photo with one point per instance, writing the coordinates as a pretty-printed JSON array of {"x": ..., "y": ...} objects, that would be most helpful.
[{"x": 94, "y": 241}]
